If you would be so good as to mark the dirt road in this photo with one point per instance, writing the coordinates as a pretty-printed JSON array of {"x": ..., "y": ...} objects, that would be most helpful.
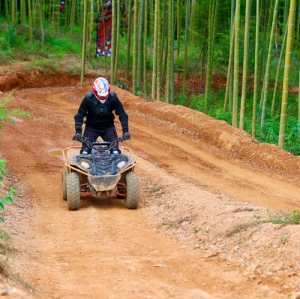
[{"x": 204, "y": 228}]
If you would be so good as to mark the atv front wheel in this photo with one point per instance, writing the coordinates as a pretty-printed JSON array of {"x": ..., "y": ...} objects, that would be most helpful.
[
  {"x": 64, "y": 183},
  {"x": 132, "y": 191},
  {"x": 73, "y": 191}
]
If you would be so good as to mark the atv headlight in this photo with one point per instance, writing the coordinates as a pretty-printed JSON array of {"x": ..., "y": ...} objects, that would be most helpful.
[{"x": 85, "y": 165}]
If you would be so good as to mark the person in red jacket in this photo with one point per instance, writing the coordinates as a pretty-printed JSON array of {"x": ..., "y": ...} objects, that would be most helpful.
[
  {"x": 97, "y": 110},
  {"x": 104, "y": 28}
]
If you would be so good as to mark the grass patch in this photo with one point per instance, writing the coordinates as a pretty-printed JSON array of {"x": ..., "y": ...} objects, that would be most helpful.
[
  {"x": 285, "y": 218},
  {"x": 6, "y": 271},
  {"x": 176, "y": 223},
  {"x": 164, "y": 203},
  {"x": 19, "y": 112},
  {"x": 155, "y": 189},
  {"x": 197, "y": 229},
  {"x": 237, "y": 228},
  {"x": 281, "y": 218}
]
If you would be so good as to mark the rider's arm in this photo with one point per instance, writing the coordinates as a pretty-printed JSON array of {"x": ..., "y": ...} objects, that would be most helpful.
[
  {"x": 79, "y": 116},
  {"x": 119, "y": 109}
]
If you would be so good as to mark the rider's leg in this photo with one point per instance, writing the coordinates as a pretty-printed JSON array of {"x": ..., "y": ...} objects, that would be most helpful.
[
  {"x": 92, "y": 135},
  {"x": 110, "y": 134}
]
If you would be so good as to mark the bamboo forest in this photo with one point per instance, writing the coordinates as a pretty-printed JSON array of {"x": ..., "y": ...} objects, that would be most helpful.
[{"x": 163, "y": 48}]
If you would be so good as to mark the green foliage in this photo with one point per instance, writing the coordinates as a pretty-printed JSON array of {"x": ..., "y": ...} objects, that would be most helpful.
[
  {"x": 6, "y": 52},
  {"x": 198, "y": 23},
  {"x": 122, "y": 54},
  {"x": 2, "y": 170},
  {"x": 4, "y": 236},
  {"x": 11, "y": 36},
  {"x": 44, "y": 64},
  {"x": 62, "y": 40},
  {"x": 39, "y": 62},
  {"x": 121, "y": 84},
  {"x": 197, "y": 229},
  {"x": 8, "y": 198},
  {"x": 291, "y": 217},
  {"x": 5, "y": 113},
  {"x": 285, "y": 218},
  {"x": 19, "y": 112},
  {"x": 220, "y": 114},
  {"x": 74, "y": 70},
  {"x": 270, "y": 132},
  {"x": 14, "y": 43},
  {"x": 64, "y": 45}
]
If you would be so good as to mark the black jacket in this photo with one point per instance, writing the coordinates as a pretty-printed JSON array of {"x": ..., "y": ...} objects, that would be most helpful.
[{"x": 100, "y": 116}]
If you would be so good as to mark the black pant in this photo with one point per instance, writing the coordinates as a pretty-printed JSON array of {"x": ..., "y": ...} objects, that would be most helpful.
[{"x": 109, "y": 134}]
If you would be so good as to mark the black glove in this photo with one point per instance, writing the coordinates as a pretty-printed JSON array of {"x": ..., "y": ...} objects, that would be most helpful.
[
  {"x": 77, "y": 137},
  {"x": 126, "y": 136}
]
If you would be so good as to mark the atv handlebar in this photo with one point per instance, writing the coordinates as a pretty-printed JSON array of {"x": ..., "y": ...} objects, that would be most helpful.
[{"x": 105, "y": 145}]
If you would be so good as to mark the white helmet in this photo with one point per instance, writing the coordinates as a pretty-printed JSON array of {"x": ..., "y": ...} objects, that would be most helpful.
[{"x": 101, "y": 89}]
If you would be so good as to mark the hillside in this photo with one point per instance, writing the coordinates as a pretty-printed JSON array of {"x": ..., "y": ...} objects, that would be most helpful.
[{"x": 205, "y": 226}]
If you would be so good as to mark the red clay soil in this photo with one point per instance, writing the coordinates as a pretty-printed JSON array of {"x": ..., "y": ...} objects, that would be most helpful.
[{"x": 205, "y": 227}]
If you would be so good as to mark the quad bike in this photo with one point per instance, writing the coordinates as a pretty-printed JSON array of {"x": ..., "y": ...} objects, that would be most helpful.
[{"x": 101, "y": 173}]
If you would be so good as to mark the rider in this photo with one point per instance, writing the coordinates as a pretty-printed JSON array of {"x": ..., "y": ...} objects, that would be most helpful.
[{"x": 98, "y": 107}]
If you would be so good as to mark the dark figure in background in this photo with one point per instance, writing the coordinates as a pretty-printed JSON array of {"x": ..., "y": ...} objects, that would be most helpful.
[
  {"x": 62, "y": 6},
  {"x": 98, "y": 107}
]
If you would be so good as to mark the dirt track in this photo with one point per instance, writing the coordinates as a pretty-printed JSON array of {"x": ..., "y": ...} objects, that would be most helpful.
[{"x": 200, "y": 180}]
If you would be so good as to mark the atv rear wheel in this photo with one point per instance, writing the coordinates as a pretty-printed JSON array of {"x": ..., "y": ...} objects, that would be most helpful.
[
  {"x": 132, "y": 190},
  {"x": 73, "y": 191},
  {"x": 64, "y": 183}
]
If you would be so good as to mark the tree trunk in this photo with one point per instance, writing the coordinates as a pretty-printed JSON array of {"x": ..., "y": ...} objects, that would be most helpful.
[
  {"x": 135, "y": 48},
  {"x": 128, "y": 37},
  {"x": 268, "y": 66},
  {"x": 179, "y": 22},
  {"x": 158, "y": 55},
  {"x": 140, "y": 45},
  {"x": 145, "y": 48},
  {"x": 236, "y": 65},
  {"x": 229, "y": 68},
  {"x": 155, "y": 50},
  {"x": 30, "y": 22},
  {"x": 245, "y": 65},
  {"x": 113, "y": 42},
  {"x": 278, "y": 70},
  {"x": 186, "y": 34},
  {"x": 255, "y": 92},
  {"x": 209, "y": 55},
  {"x": 285, "y": 88},
  {"x": 83, "y": 41}
]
